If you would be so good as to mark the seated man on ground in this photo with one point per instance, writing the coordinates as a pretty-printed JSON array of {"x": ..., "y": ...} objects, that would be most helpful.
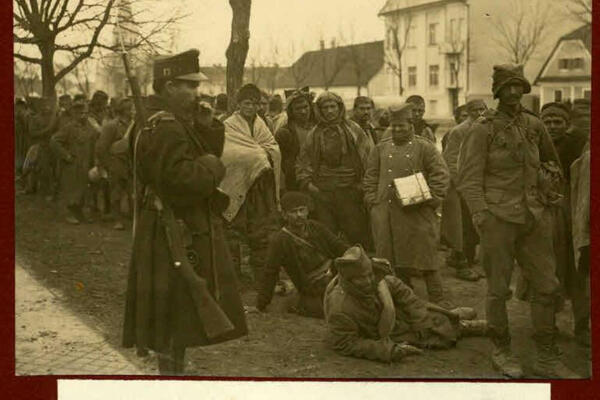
[
  {"x": 306, "y": 250},
  {"x": 372, "y": 314}
]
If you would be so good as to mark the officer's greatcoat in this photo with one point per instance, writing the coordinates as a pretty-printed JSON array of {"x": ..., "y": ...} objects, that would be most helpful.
[
  {"x": 159, "y": 306},
  {"x": 406, "y": 236},
  {"x": 77, "y": 140}
]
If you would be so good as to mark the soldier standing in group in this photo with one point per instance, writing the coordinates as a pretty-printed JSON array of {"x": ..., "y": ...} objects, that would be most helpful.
[
  {"x": 362, "y": 113},
  {"x": 504, "y": 181},
  {"x": 73, "y": 144},
  {"x": 180, "y": 177},
  {"x": 457, "y": 227}
]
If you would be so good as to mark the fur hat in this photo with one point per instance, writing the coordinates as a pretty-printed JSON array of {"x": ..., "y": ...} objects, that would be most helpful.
[{"x": 507, "y": 73}]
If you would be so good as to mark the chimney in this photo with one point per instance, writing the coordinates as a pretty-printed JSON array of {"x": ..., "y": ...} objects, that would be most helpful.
[
  {"x": 322, "y": 44},
  {"x": 333, "y": 43}
]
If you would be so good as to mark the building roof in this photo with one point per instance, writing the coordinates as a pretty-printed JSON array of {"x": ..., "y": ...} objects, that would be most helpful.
[
  {"x": 583, "y": 33},
  {"x": 350, "y": 65},
  {"x": 405, "y": 5}
]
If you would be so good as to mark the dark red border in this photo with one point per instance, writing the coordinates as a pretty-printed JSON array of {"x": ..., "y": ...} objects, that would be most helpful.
[{"x": 33, "y": 388}]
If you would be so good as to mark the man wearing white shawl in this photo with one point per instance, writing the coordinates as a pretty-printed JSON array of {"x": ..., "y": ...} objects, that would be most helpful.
[{"x": 253, "y": 161}]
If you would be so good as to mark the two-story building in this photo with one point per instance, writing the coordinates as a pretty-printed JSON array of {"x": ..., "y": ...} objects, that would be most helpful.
[
  {"x": 448, "y": 49},
  {"x": 567, "y": 73}
]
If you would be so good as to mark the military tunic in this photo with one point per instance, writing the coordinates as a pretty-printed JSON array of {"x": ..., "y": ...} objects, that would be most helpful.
[
  {"x": 352, "y": 321},
  {"x": 500, "y": 171}
]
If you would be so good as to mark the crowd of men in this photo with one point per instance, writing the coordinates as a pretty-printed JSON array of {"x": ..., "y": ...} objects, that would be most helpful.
[{"x": 313, "y": 194}]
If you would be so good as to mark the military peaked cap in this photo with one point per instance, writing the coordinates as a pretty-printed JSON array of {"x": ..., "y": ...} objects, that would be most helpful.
[{"x": 183, "y": 66}]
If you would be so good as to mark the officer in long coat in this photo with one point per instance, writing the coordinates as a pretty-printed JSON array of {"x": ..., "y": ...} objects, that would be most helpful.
[
  {"x": 175, "y": 165},
  {"x": 505, "y": 178},
  {"x": 407, "y": 236}
]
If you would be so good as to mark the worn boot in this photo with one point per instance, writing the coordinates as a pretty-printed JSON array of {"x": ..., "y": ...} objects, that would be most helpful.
[
  {"x": 467, "y": 274},
  {"x": 505, "y": 362},
  {"x": 476, "y": 327},
  {"x": 548, "y": 364}
]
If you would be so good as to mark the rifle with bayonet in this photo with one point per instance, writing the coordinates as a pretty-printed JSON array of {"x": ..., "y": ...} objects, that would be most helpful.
[{"x": 213, "y": 318}]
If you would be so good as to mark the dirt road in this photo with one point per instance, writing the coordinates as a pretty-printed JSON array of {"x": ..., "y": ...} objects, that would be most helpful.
[{"x": 87, "y": 264}]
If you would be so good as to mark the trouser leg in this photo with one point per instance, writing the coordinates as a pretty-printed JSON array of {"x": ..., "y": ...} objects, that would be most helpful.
[
  {"x": 580, "y": 297},
  {"x": 433, "y": 282},
  {"x": 470, "y": 236},
  {"x": 535, "y": 254},
  {"x": 404, "y": 275},
  {"x": 497, "y": 241},
  {"x": 351, "y": 217},
  {"x": 172, "y": 362}
]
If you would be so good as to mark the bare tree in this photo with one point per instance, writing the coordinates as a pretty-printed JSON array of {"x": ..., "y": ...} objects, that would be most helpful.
[
  {"x": 331, "y": 61},
  {"x": 301, "y": 69},
  {"x": 580, "y": 10},
  {"x": 520, "y": 33},
  {"x": 26, "y": 75},
  {"x": 398, "y": 37},
  {"x": 74, "y": 29},
  {"x": 454, "y": 50},
  {"x": 358, "y": 58},
  {"x": 238, "y": 47}
]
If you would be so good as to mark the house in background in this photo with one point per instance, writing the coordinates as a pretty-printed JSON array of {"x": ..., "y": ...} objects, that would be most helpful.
[
  {"x": 346, "y": 70},
  {"x": 450, "y": 50},
  {"x": 567, "y": 73}
]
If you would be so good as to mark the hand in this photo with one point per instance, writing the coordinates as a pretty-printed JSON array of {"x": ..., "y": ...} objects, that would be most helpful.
[
  {"x": 402, "y": 350},
  {"x": 479, "y": 219}
]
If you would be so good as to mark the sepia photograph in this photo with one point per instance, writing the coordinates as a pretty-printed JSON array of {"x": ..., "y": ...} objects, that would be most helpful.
[{"x": 303, "y": 189}]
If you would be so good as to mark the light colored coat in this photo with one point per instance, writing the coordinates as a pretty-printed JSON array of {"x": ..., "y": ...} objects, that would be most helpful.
[{"x": 406, "y": 236}]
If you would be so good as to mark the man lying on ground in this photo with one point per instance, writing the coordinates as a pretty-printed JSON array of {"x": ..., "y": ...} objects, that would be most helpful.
[{"x": 372, "y": 314}]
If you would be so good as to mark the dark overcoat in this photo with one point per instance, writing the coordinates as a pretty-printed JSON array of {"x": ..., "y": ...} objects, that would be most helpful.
[
  {"x": 159, "y": 309},
  {"x": 76, "y": 139}
]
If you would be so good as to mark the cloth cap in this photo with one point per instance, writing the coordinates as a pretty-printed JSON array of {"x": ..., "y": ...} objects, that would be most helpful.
[
  {"x": 555, "y": 108},
  {"x": 362, "y": 100},
  {"x": 291, "y": 200},
  {"x": 401, "y": 112},
  {"x": 78, "y": 104},
  {"x": 354, "y": 262},
  {"x": 508, "y": 73},
  {"x": 475, "y": 103},
  {"x": 249, "y": 91},
  {"x": 183, "y": 66},
  {"x": 99, "y": 98}
]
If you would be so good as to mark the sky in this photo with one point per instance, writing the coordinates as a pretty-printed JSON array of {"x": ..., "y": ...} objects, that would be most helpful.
[{"x": 280, "y": 30}]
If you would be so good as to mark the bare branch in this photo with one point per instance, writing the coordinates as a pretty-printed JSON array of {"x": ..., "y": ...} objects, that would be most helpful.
[{"x": 28, "y": 59}]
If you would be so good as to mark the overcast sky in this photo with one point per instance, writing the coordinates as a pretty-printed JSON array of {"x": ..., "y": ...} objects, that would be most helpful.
[{"x": 289, "y": 27}]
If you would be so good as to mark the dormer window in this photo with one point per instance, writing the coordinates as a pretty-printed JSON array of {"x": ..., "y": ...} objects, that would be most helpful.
[{"x": 567, "y": 64}]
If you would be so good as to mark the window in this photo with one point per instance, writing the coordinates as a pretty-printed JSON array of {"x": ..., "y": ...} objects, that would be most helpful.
[
  {"x": 434, "y": 71},
  {"x": 558, "y": 95},
  {"x": 570, "y": 63},
  {"x": 432, "y": 33},
  {"x": 452, "y": 73},
  {"x": 587, "y": 94},
  {"x": 412, "y": 76},
  {"x": 432, "y": 107}
]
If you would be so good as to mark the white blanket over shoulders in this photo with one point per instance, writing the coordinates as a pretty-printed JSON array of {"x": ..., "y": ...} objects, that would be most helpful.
[{"x": 246, "y": 157}]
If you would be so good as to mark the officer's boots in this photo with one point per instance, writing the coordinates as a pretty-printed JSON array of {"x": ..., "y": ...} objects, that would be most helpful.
[{"x": 548, "y": 363}]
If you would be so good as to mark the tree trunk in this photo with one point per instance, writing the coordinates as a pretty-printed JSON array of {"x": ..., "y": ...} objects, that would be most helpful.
[
  {"x": 48, "y": 77},
  {"x": 238, "y": 48},
  {"x": 400, "y": 88}
]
